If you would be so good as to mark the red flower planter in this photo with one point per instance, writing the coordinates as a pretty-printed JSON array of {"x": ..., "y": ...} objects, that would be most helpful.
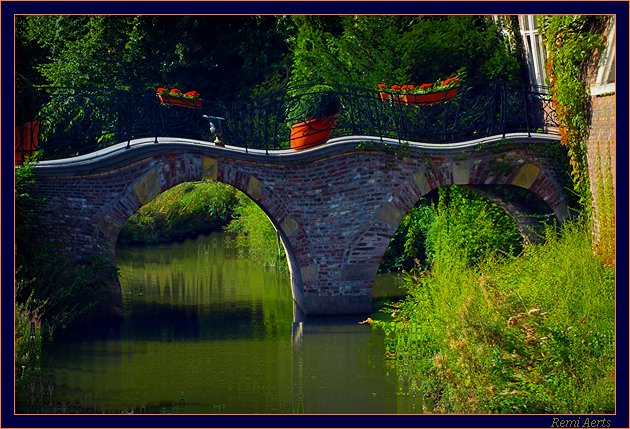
[
  {"x": 432, "y": 97},
  {"x": 312, "y": 132},
  {"x": 383, "y": 96},
  {"x": 189, "y": 103}
]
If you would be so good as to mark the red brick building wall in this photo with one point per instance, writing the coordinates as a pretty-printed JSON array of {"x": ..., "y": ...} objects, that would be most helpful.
[
  {"x": 601, "y": 147},
  {"x": 601, "y": 153}
]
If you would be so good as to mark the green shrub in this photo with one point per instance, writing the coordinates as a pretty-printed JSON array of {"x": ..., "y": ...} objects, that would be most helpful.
[{"x": 463, "y": 219}]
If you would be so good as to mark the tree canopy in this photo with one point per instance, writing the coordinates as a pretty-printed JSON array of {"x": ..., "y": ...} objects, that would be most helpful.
[
  {"x": 217, "y": 56},
  {"x": 365, "y": 50},
  {"x": 235, "y": 56}
]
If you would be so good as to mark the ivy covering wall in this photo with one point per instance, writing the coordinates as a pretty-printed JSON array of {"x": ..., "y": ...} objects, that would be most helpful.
[{"x": 572, "y": 42}]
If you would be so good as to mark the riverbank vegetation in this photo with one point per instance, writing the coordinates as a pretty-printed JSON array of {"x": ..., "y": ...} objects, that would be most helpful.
[
  {"x": 255, "y": 236},
  {"x": 483, "y": 228},
  {"x": 192, "y": 209},
  {"x": 532, "y": 333},
  {"x": 184, "y": 211}
]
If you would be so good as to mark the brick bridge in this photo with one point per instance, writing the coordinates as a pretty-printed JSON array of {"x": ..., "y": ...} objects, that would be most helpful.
[{"x": 335, "y": 207}]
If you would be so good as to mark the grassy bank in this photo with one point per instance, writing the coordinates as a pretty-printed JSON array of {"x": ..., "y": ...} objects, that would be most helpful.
[
  {"x": 526, "y": 334},
  {"x": 185, "y": 211},
  {"x": 192, "y": 209}
]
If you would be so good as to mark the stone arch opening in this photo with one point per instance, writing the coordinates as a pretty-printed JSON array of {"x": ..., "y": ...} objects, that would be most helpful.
[
  {"x": 162, "y": 174},
  {"x": 525, "y": 209},
  {"x": 177, "y": 288}
]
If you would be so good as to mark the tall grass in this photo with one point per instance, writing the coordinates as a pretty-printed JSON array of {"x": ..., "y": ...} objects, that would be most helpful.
[{"x": 527, "y": 334}]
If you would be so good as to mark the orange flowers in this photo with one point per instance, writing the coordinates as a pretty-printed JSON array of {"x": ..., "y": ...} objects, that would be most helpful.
[
  {"x": 425, "y": 88},
  {"x": 192, "y": 94},
  {"x": 450, "y": 80},
  {"x": 175, "y": 92}
]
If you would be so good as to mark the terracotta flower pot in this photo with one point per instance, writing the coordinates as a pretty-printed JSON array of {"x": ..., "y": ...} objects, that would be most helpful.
[
  {"x": 189, "y": 103},
  {"x": 383, "y": 96},
  {"x": 312, "y": 132}
]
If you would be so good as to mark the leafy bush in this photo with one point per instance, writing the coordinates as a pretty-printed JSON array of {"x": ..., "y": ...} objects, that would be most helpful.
[
  {"x": 462, "y": 219},
  {"x": 364, "y": 50}
]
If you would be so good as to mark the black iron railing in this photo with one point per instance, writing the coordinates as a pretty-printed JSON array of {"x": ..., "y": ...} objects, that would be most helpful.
[{"x": 71, "y": 121}]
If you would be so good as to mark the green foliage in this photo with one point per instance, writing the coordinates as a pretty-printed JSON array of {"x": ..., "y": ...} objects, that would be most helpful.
[
  {"x": 28, "y": 349},
  {"x": 530, "y": 334},
  {"x": 204, "y": 53},
  {"x": 571, "y": 41},
  {"x": 67, "y": 293},
  {"x": 184, "y": 211},
  {"x": 190, "y": 209},
  {"x": 255, "y": 234},
  {"x": 365, "y": 50},
  {"x": 27, "y": 206},
  {"x": 463, "y": 220},
  {"x": 219, "y": 57},
  {"x": 476, "y": 227},
  {"x": 408, "y": 246},
  {"x": 605, "y": 209}
]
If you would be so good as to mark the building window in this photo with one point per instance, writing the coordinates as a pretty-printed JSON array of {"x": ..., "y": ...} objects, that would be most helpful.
[
  {"x": 535, "y": 52},
  {"x": 605, "y": 81}
]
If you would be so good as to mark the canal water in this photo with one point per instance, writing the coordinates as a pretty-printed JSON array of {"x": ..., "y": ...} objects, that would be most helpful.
[{"x": 208, "y": 331}]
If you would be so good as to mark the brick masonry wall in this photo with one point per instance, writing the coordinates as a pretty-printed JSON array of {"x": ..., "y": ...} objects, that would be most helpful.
[
  {"x": 335, "y": 213},
  {"x": 601, "y": 155}
]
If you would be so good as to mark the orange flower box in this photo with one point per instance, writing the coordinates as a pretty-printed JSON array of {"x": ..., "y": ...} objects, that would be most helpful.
[
  {"x": 189, "y": 103},
  {"x": 431, "y": 97}
]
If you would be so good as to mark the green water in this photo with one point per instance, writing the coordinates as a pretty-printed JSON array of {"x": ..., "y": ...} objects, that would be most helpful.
[{"x": 208, "y": 331}]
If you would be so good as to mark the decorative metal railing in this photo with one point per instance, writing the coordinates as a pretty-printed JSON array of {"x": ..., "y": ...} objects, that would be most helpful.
[{"x": 71, "y": 121}]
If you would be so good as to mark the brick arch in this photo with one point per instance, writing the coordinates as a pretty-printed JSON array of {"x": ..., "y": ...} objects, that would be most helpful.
[
  {"x": 530, "y": 173},
  {"x": 157, "y": 175}
]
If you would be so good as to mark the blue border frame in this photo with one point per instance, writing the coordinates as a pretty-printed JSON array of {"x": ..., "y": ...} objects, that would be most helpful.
[{"x": 11, "y": 8}]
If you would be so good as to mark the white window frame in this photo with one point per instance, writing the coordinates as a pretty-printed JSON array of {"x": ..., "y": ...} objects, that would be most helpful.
[
  {"x": 603, "y": 83},
  {"x": 535, "y": 52}
]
